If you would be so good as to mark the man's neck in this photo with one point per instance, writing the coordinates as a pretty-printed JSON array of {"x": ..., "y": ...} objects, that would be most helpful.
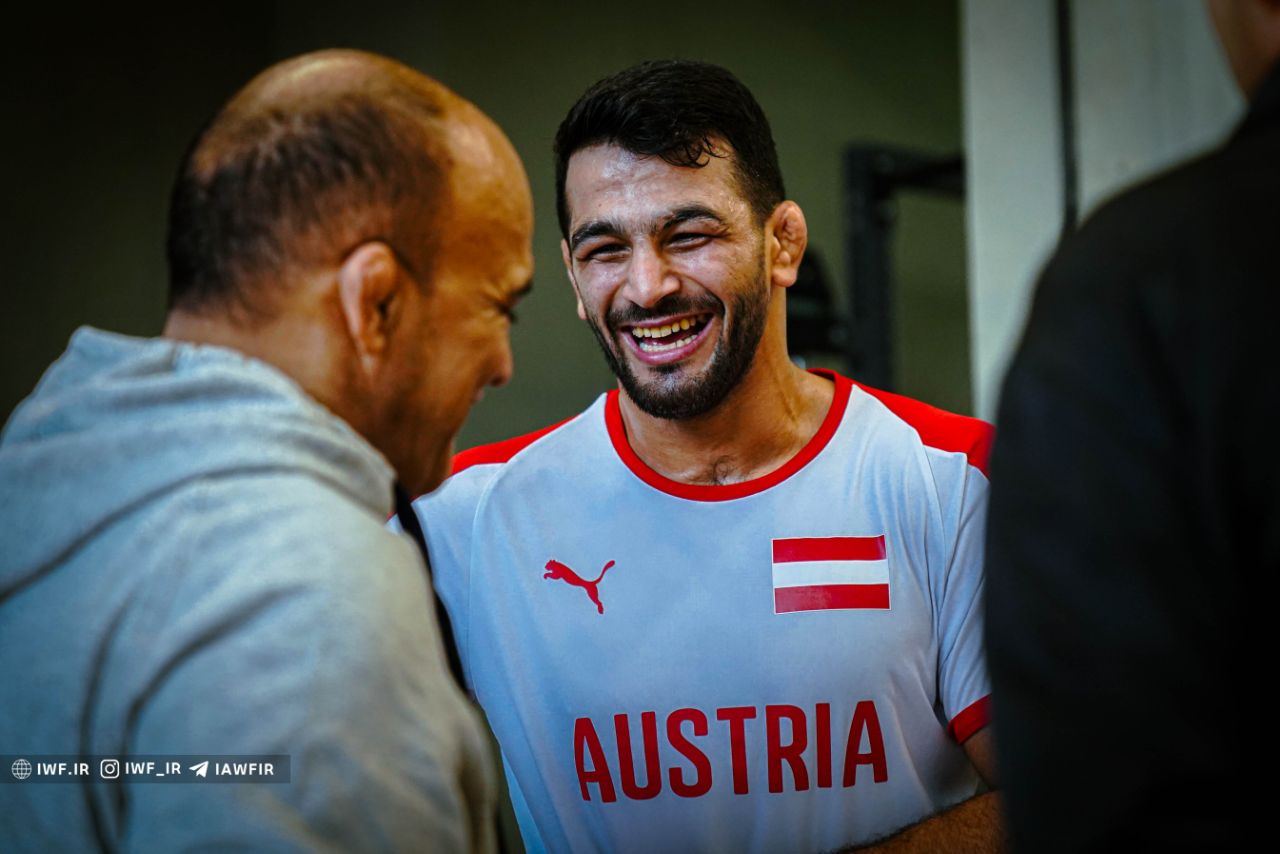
[
  {"x": 765, "y": 421},
  {"x": 298, "y": 349}
]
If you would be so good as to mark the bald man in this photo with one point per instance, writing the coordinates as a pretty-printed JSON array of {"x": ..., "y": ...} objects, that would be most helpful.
[
  {"x": 1135, "y": 503},
  {"x": 195, "y": 561}
]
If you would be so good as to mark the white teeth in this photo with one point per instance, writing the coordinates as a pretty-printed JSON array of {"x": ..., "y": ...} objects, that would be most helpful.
[{"x": 662, "y": 348}]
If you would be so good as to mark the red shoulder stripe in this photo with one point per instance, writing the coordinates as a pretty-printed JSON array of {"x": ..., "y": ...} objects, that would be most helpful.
[
  {"x": 940, "y": 429},
  {"x": 500, "y": 452},
  {"x": 971, "y": 719}
]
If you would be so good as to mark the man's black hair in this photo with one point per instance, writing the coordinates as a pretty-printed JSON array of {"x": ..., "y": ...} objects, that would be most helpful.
[
  {"x": 264, "y": 189},
  {"x": 678, "y": 110}
]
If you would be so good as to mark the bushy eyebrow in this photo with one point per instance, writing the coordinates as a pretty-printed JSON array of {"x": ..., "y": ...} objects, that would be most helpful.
[
  {"x": 685, "y": 214},
  {"x": 613, "y": 228},
  {"x": 594, "y": 228}
]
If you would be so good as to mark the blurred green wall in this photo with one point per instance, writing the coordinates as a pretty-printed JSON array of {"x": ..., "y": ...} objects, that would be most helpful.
[{"x": 102, "y": 104}]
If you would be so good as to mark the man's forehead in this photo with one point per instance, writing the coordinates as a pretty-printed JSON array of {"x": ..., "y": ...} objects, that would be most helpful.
[
  {"x": 501, "y": 255},
  {"x": 607, "y": 181},
  {"x": 487, "y": 237}
]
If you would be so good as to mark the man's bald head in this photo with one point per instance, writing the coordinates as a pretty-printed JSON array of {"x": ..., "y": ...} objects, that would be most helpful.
[{"x": 314, "y": 156}]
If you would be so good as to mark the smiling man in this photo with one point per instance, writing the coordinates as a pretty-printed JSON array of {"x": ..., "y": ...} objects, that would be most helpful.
[{"x": 733, "y": 605}]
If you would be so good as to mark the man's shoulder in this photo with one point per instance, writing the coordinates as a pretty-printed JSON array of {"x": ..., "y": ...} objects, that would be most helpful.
[
  {"x": 271, "y": 558},
  {"x": 552, "y": 444},
  {"x": 1215, "y": 205},
  {"x": 290, "y": 530},
  {"x": 938, "y": 429},
  {"x": 498, "y": 453},
  {"x": 475, "y": 471}
]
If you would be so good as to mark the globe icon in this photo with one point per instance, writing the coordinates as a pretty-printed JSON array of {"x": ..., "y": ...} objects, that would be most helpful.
[{"x": 21, "y": 769}]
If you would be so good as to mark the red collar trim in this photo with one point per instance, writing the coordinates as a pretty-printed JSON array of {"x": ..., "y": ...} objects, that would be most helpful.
[{"x": 728, "y": 491}]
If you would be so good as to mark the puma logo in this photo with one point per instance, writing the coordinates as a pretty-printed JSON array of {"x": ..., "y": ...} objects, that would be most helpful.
[{"x": 557, "y": 570}]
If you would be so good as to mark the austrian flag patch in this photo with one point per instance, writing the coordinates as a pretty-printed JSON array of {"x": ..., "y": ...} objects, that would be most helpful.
[{"x": 830, "y": 573}]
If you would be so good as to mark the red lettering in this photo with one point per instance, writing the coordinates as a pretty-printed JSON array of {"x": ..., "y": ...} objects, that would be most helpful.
[
  {"x": 787, "y": 739},
  {"x": 702, "y": 782},
  {"x": 865, "y": 720},
  {"x": 585, "y": 739},
  {"x": 626, "y": 766},
  {"x": 736, "y": 716},
  {"x": 791, "y": 753},
  {"x": 823, "y": 748}
]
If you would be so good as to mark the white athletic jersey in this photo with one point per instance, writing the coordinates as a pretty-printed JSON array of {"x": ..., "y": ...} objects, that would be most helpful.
[{"x": 785, "y": 664}]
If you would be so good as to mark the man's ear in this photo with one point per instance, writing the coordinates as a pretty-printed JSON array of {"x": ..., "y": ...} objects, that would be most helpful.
[
  {"x": 568, "y": 269},
  {"x": 786, "y": 236},
  {"x": 369, "y": 281}
]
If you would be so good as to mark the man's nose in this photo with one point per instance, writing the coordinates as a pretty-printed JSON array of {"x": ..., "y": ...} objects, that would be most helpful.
[
  {"x": 649, "y": 278},
  {"x": 504, "y": 365}
]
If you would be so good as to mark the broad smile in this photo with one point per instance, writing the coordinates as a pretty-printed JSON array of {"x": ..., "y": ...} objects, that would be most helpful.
[{"x": 669, "y": 339}]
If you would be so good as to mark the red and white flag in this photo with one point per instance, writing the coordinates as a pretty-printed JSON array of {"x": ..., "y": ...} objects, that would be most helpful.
[{"x": 829, "y": 573}]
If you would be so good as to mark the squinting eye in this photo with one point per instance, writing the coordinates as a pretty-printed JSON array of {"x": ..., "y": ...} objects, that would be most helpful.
[
  {"x": 690, "y": 239},
  {"x": 607, "y": 252}
]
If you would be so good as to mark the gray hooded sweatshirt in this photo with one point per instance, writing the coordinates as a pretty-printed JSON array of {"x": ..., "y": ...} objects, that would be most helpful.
[{"x": 193, "y": 561}]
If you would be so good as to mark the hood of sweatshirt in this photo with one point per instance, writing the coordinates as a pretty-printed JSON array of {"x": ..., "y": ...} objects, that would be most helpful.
[{"x": 117, "y": 422}]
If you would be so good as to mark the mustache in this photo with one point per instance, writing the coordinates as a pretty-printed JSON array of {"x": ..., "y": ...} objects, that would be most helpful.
[{"x": 668, "y": 305}]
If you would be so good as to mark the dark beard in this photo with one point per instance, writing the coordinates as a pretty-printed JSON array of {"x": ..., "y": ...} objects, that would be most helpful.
[{"x": 668, "y": 397}]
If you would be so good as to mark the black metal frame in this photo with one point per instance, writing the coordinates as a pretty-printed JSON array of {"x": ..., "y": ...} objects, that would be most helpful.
[
  {"x": 875, "y": 174},
  {"x": 873, "y": 177}
]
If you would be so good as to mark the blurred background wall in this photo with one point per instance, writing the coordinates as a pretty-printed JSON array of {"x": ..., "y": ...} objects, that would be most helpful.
[
  {"x": 102, "y": 102},
  {"x": 1067, "y": 102},
  {"x": 1056, "y": 105}
]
